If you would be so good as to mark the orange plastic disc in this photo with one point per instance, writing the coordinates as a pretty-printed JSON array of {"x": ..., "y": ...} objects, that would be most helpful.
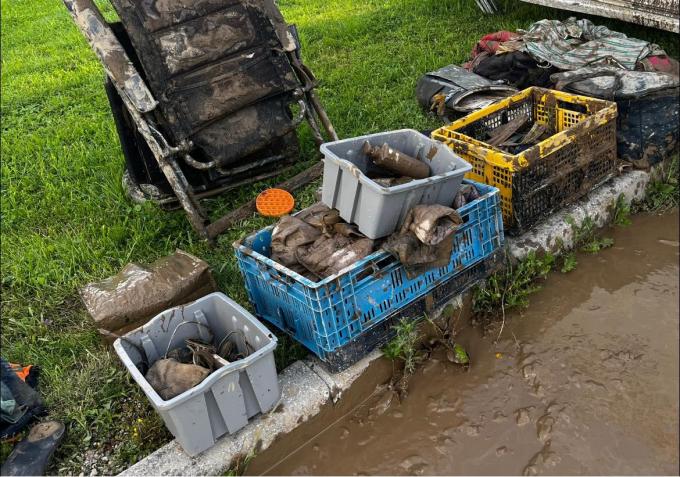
[{"x": 274, "y": 202}]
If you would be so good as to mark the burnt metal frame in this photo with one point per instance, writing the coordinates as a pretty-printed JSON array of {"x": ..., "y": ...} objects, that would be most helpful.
[{"x": 139, "y": 102}]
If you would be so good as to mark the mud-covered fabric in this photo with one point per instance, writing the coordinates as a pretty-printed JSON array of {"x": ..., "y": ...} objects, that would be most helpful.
[
  {"x": 330, "y": 254},
  {"x": 609, "y": 82},
  {"x": 576, "y": 43},
  {"x": 218, "y": 70},
  {"x": 138, "y": 292},
  {"x": 288, "y": 235},
  {"x": 425, "y": 240},
  {"x": 647, "y": 130},
  {"x": 515, "y": 68},
  {"x": 170, "y": 378},
  {"x": 317, "y": 243}
]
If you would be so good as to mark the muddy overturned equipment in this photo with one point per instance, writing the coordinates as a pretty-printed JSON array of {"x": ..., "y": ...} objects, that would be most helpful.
[{"x": 205, "y": 97}]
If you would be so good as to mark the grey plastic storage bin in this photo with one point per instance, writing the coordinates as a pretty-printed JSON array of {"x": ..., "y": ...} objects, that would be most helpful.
[
  {"x": 224, "y": 401},
  {"x": 378, "y": 211}
]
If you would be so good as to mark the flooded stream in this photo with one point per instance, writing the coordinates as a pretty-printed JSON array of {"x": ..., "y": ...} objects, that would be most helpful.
[{"x": 585, "y": 381}]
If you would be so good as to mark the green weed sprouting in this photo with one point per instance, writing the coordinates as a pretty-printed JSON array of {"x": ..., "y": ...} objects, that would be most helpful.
[
  {"x": 663, "y": 194},
  {"x": 621, "y": 214},
  {"x": 403, "y": 345},
  {"x": 586, "y": 237},
  {"x": 510, "y": 288},
  {"x": 568, "y": 262}
]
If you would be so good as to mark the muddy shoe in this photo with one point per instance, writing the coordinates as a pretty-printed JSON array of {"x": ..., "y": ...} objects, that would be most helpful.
[
  {"x": 170, "y": 378},
  {"x": 32, "y": 455}
]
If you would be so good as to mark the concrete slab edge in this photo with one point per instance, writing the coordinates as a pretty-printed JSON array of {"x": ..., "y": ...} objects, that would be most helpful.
[{"x": 306, "y": 386}]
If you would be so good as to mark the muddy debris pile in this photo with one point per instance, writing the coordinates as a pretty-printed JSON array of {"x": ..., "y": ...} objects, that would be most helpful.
[
  {"x": 518, "y": 134},
  {"x": 187, "y": 366},
  {"x": 316, "y": 243}
]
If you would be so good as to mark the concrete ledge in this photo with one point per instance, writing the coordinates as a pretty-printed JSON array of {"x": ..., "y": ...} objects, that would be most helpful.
[{"x": 306, "y": 386}]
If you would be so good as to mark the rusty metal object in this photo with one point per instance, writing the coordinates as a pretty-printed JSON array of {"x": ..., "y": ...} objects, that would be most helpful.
[
  {"x": 221, "y": 128},
  {"x": 396, "y": 161}
]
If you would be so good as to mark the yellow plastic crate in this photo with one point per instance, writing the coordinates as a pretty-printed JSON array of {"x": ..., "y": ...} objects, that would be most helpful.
[{"x": 579, "y": 156}]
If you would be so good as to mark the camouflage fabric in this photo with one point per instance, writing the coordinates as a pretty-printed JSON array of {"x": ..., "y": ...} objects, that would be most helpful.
[{"x": 575, "y": 43}]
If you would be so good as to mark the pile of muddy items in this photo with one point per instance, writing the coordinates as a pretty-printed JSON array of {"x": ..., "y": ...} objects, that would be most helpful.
[
  {"x": 575, "y": 56},
  {"x": 208, "y": 97}
]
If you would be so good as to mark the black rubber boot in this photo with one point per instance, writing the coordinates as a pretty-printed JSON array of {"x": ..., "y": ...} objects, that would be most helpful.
[{"x": 32, "y": 455}]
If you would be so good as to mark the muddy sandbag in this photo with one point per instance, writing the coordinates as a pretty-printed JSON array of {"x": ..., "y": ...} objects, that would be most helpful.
[
  {"x": 170, "y": 378},
  {"x": 425, "y": 240},
  {"x": 328, "y": 255},
  {"x": 137, "y": 293}
]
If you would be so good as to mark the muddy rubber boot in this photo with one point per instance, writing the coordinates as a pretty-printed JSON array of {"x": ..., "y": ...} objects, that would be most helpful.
[{"x": 32, "y": 455}]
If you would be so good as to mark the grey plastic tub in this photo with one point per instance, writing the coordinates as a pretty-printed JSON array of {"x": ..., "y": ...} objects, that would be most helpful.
[
  {"x": 376, "y": 210},
  {"x": 224, "y": 401}
]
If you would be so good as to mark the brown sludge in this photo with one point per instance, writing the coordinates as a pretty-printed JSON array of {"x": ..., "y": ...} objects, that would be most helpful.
[
  {"x": 396, "y": 161},
  {"x": 583, "y": 382}
]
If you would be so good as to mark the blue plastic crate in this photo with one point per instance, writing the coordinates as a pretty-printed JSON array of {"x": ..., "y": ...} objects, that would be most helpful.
[{"x": 328, "y": 314}]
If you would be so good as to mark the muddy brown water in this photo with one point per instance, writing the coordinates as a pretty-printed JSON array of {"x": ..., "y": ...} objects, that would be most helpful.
[{"x": 585, "y": 381}]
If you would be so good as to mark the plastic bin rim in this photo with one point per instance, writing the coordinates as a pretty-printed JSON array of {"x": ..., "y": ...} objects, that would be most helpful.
[
  {"x": 378, "y": 254},
  {"x": 461, "y": 165},
  {"x": 214, "y": 376}
]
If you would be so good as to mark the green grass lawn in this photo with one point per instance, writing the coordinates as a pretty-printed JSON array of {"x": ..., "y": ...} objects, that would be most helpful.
[{"x": 65, "y": 220}]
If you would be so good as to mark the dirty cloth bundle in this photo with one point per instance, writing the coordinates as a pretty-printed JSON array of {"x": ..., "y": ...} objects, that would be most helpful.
[
  {"x": 316, "y": 243},
  {"x": 498, "y": 57},
  {"x": 610, "y": 82},
  {"x": 576, "y": 43},
  {"x": 425, "y": 239}
]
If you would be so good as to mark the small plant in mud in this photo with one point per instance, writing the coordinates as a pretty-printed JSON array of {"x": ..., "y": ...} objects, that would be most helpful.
[
  {"x": 239, "y": 464},
  {"x": 586, "y": 237},
  {"x": 568, "y": 262},
  {"x": 511, "y": 287},
  {"x": 621, "y": 213},
  {"x": 663, "y": 194},
  {"x": 445, "y": 337},
  {"x": 403, "y": 345}
]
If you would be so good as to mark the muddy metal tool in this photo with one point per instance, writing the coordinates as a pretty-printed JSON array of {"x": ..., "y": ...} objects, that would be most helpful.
[
  {"x": 396, "y": 161},
  {"x": 206, "y": 97}
]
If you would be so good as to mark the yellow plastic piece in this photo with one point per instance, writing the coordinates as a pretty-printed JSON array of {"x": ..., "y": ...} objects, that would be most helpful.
[{"x": 573, "y": 117}]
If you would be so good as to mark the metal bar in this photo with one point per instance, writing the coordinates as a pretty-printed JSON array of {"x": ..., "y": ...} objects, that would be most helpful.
[
  {"x": 110, "y": 52},
  {"x": 309, "y": 82}
]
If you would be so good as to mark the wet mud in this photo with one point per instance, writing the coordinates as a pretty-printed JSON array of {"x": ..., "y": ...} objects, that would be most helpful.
[{"x": 583, "y": 382}]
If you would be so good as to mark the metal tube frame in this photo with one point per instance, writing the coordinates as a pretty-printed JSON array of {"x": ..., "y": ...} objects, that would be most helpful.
[{"x": 139, "y": 101}]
